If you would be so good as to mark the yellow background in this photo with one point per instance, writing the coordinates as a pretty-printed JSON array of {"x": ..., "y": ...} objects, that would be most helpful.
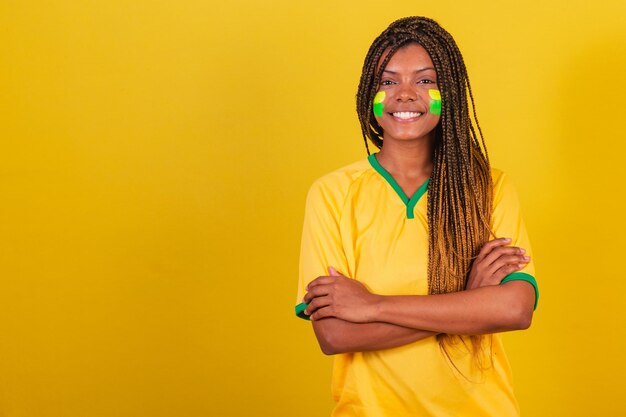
[{"x": 154, "y": 162}]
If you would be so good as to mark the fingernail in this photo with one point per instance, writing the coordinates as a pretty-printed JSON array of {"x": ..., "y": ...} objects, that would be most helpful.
[
  {"x": 526, "y": 258},
  {"x": 521, "y": 250},
  {"x": 507, "y": 239},
  {"x": 520, "y": 266}
]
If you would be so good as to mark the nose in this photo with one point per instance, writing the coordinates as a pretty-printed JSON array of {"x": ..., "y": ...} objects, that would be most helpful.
[{"x": 406, "y": 92}]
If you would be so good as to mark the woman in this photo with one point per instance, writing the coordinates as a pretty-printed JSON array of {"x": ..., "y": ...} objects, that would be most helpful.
[{"x": 413, "y": 258}]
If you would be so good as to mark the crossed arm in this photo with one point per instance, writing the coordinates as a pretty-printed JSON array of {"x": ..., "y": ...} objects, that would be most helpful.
[{"x": 348, "y": 318}]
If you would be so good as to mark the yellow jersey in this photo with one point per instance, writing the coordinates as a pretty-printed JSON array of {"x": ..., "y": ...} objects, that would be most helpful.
[{"x": 359, "y": 221}]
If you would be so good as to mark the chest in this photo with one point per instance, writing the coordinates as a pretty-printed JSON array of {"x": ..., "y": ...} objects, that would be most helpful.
[{"x": 384, "y": 248}]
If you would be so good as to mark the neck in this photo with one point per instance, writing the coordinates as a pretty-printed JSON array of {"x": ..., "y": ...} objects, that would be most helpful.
[{"x": 411, "y": 159}]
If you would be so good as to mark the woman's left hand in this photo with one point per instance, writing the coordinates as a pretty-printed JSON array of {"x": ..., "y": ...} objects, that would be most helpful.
[{"x": 340, "y": 297}]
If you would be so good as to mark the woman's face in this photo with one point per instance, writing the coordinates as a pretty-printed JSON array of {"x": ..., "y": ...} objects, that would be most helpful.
[{"x": 407, "y": 113}]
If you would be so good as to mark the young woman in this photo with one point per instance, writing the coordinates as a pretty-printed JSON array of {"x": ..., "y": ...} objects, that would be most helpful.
[{"x": 415, "y": 258}]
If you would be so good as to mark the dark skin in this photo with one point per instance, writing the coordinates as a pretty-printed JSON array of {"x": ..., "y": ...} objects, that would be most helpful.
[
  {"x": 346, "y": 316},
  {"x": 344, "y": 311}
]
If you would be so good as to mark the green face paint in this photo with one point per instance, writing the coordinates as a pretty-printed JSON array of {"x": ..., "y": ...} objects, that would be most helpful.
[
  {"x": 379, "y": 107},
  {"x": 435, "y": 102}
]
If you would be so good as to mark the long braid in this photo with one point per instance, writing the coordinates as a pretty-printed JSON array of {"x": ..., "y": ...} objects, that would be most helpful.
[{"x": 460, "y": 189}]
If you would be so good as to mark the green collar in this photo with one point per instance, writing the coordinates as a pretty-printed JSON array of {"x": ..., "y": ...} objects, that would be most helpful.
[{"x": 410, "y": 203}]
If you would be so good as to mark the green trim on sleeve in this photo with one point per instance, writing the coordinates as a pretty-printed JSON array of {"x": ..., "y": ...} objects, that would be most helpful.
[
  {"x": 523, "y": 276},
  {"x": 410, "y": 203},
  {"x": 300, "y": 311}
]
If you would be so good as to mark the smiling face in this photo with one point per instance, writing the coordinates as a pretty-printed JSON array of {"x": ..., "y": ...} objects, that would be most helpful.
[{"x": 407, "y": 113}]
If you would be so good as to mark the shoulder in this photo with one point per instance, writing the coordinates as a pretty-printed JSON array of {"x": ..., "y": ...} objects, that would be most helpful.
[
  {"x": 504, "y": 192},
  {"x": 497, "y": 177},
  {"x": 335, "y": 185}
]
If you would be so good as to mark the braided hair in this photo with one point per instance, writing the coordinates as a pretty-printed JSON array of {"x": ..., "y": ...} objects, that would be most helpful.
[{"x": 460, "y": 188}]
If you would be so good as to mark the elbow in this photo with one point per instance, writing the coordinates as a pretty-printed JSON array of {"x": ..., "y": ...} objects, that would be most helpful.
[
  {"x": 325, "y": 344},
  {"x": 519, "y": 317},
  {"x": 329, "y": 344},
  {"x": 328, "y": 349},
  {"x": 511, "y": 320},
  {"x": 522, "y": 322},
  {"x": 525, "y": 320},
  {"x": 517, "y": 308},
  {"x": 329, "y": 337}
]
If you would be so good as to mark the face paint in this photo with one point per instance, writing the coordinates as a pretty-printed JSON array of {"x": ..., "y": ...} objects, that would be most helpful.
[
  {"x": 435, "y": 102},
  {"x": 379, "y": 107}
]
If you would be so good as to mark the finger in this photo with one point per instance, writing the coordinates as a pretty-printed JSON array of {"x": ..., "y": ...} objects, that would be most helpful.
[
  {"x": 496, "y": 276},
  {"x": 489, "y": 246},
  {"x": 316, "y": 304},
  {"x": 308, "y": 297},
  {"x": 505, "y": 261},
  {"x": 333, "y": 272},
  {"x": 508, "y": 260},
  {"x": 322, "y": 313},
  {"x": 499, "y": 252},
  {"x": 320, "y": 281},
  {"x": 317, "y": 291},
  {"x": 502, "y": 267},
  {"x": 501, "y": 273}
]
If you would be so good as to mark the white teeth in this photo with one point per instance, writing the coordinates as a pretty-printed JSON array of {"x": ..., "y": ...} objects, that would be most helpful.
[{"x": 406, "y": 114}]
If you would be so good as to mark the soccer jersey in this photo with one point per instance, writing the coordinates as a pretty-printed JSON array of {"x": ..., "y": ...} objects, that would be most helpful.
[{"x": 359, "y": 221}]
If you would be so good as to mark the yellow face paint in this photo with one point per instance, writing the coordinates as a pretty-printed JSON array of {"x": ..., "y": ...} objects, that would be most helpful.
[
  {"x": 434, "y": 94},
  {"x": 435, "y": 102},
  {"x": 379, "y": 107}
]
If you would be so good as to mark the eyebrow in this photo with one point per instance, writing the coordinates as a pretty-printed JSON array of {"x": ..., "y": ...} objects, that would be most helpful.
[{"x": 416, "y": 71}]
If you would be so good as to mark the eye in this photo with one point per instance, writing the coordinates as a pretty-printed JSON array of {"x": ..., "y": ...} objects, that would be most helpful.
[
  {"x": 426, "y": 81},
  {"x": 386, "y": 82}
]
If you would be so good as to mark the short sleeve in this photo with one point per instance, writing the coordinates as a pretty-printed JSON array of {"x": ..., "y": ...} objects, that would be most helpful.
[
  {"x": 507, "y": 221},
  {"x": 321, "y": 245}
]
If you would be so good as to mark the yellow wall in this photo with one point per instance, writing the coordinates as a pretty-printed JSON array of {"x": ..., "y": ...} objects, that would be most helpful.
[{"x": 154, "y": 162}]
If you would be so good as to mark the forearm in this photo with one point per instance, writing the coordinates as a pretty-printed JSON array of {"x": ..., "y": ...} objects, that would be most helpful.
[
  {"x": 483, "y": 310},
  {"x": 339, "y": 336}
]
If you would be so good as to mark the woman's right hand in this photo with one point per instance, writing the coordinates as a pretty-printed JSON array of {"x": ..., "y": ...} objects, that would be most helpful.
[{"x": 495, "y": 261}]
